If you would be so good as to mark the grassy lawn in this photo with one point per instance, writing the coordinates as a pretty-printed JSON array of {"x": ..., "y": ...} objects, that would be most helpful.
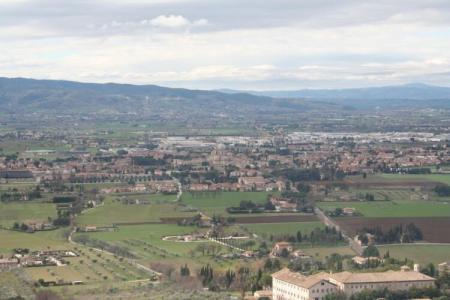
[
  {"x": 394, "y": 208},
  {"x": 421, "y": 254},
  {"x": 115, "y": 212},
  {"x": 22, "y": 211},
  {"x": 265, "y": 230},
  {"x": 212, "y": 203}
]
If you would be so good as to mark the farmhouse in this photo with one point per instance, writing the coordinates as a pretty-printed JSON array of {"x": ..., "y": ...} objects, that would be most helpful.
[
  {"x": 444, "y": 267},
  {"x": 282, "y": 204},
  {"x": 281, "y": 247},
  {"x": 361, "y": 261},
  {"x": 349, "y": 211},
  {"x": 8, "y": 263},
  {"x": 291, "y": 285}
]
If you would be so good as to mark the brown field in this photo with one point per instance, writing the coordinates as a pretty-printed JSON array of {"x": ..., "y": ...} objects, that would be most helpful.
[{"x": 435, "y": 230}]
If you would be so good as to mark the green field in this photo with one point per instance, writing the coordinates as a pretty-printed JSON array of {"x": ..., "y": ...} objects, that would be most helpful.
[
  {"x": 19, "y": 146},
  {"x": 393, "y": 208},
  {"x": 265, "y": 230},
  {"x": 145, "y": 241},
  {"x": 80, "y": 268},
  {"x": 421, "y": 254},
  {"x": 212, "y": 203},
  {"x": 443, "y": 178},
  {"x": 89, "y": 267},
  {"x": 114, "y": 212},
  {"x": 386, "y": 195},
  {"x": 19, "y": 185},
  {"x": 14, "y": 284},
  {"x": 150, "y": 233},
  {"x": 22, "y": 211},
  {"x": 321, "y": 253},
  {"x": 39, "y": 240}
]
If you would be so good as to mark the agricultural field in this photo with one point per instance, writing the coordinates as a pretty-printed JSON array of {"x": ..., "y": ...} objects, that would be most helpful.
[
  {"x": 146, "y": 243},
  {"x": 90, "y": 267},
  {"x": 39, "y": 240},
  {"x": 435, "y": 230},
  {"x": 273, "y": 218},
  {"x": 14, "y": 284},
  {"x": 150, "y": 234},
  {"x": 422, "y": 254},
  {"x": 265, "y": 230},
  {"x": 18, "y": 146},
  {"x": 320, "y": 253},
  {"x": 216, "y": 203},
  {"x": 25, "y": 211},
  {"x": 19, "y": 185},
  {"x": 115, "y": 212},
  {"x": 392, "y": 194},
  {"x": 442, "y": 178},
  {"x": 393, "y": 208}
]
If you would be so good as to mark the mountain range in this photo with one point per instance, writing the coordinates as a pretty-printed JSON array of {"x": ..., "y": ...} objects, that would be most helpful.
[
  {"x": 19, "y": 95},
  {"x": 413, "y": 91}
]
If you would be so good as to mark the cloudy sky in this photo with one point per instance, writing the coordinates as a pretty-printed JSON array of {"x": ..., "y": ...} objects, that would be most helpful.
[{"x": 239, "y": 44}]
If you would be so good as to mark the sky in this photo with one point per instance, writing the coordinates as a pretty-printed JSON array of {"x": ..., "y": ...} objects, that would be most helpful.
[{"x": 235, "y": 44}]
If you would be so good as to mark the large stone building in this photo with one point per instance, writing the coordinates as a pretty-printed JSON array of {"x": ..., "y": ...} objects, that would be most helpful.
[{"x": 288, "y": 285}]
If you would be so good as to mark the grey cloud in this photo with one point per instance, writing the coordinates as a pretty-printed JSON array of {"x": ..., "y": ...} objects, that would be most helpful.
[{"x": 71, "y": 17}]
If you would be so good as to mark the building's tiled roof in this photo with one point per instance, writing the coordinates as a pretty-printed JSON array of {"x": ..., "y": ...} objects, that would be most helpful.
[
  {"x": 347, "y": 277},
  {"x": 298, "y": 279},
  {"x": 389, "y": 276}
]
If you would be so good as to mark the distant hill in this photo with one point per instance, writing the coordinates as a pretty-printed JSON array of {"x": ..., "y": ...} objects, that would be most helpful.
[
  {"x": 409, "y": 94},
  {"x": 55, "y": 96}
]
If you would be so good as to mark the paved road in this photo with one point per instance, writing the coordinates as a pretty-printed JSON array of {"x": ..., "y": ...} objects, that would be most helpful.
[{"x": 330, "y": 223}]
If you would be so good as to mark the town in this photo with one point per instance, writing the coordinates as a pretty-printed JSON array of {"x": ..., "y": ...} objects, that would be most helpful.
[
  {"x": 228, "y": 213},
  {"x": 224, "y": 150}
]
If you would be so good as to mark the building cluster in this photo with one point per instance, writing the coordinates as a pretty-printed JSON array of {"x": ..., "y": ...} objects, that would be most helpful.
[
  {"x": 232, "y": 163},
  {"x": 24, "y": 258},
  {"x": 288, "y": 285}
]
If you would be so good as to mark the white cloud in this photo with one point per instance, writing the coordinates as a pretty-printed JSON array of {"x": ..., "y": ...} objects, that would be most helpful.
[
  {"x": 176, "y": 21},
  {"x": 170, "y": 21}
]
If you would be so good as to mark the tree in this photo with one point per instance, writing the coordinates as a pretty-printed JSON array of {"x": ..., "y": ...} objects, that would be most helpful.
[
  {"x": 284, "y": 252},
  {"x": 429, "y": 270},
  {"x": 299, "y": 236},
  {"x": 336, "y": 296},
  {"x": 371, "y": 251},
  {"x": 24, "y": 227},
  {"x": 207, "y": 274},
  {"x": 184, "y": 270},
  {"x": 229, "y": 277},
  {"x": 243, "y": 280}
]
